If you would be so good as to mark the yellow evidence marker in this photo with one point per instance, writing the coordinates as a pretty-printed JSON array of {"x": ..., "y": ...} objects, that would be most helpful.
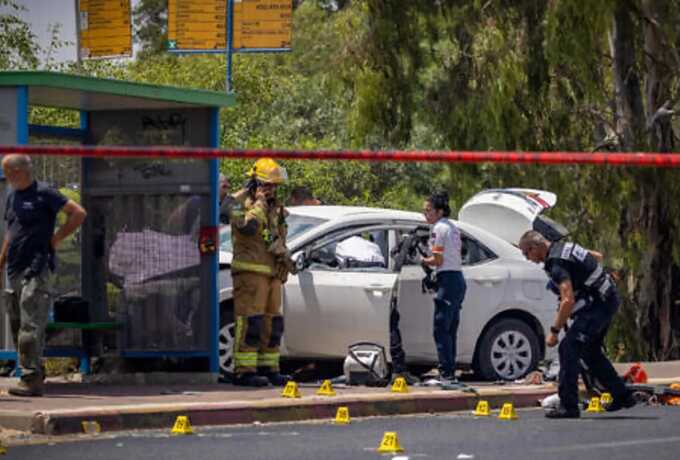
[
  {"x": 342, "y": 416},
  {"x": 182, "y": 426},
  {"x": 91, "y": 427},
  {"x": 482, "y": 409},
  {"x": 399, "y": 385},
  {"x": 507, "y": 412},
  {"x": 594, "y": 406},
  {"x": 606, "y": 398},
  {"x": 326, "y": 389},
  {"x": 390, "y": 443},
  {"x": 291, "y": 390}
]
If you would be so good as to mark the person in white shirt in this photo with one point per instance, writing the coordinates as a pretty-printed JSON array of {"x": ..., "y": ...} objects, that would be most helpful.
[{"x": 445, "y": 247}]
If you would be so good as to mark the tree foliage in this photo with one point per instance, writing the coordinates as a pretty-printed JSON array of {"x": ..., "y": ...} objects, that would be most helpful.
[
  {"x": 573, "y": 75},
  {"x": 18, "y": 45},
  {"x": 151, "y": 30}
]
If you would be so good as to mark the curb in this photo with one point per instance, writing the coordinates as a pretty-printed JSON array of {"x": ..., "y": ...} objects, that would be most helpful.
[{"x": 163, "y": 416}]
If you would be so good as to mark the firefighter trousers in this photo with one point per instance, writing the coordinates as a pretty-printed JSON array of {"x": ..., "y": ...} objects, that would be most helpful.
[{"x": 259, "y": 323}]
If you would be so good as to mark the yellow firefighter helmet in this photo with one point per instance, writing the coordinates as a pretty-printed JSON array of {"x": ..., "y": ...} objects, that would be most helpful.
[{"x": 268, "y": 171}]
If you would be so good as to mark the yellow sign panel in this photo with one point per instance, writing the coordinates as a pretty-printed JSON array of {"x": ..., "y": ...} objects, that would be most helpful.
[
  {"x": 104, "y": 28},
  {"x": 197, "y": 24},
  {"x": 202, "y": 24}
]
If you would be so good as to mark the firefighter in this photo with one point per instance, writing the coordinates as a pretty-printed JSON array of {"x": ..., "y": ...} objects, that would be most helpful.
[
  {"x": 260, "y": 266},
  {"x": 578, "y": 272}
]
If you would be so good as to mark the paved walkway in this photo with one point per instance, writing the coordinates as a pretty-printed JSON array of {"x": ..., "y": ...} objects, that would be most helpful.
[{"x": 122, "y": 407}]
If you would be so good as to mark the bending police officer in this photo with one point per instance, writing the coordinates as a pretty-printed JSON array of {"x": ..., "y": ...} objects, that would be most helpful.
[
  {"x": 260, "y": 266},
  {"x": 577, "y": 271}
]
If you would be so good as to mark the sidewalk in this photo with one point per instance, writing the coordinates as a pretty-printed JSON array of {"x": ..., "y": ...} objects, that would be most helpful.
[
  {"x": 66, "y": 405},
  {"x": 124, "y": 407}
]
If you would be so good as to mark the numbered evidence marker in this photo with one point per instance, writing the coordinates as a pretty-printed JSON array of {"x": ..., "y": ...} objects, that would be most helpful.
[
  {"x": 326, "y": 389},
  {"x": 507, "y": 412},
  {"x": 482, "y": 409},
  {"x": 399, "y": 385},
  {"x": 182, "y": 426},
  {"x": 390, "y": 443},
  {"x": 91, "y": 427},
  {"x": 342, "y": 416},
  {"x": 606, "y": 398},
  {"x": 291, "y": 390},
  {"x": 594, "y": 406}
]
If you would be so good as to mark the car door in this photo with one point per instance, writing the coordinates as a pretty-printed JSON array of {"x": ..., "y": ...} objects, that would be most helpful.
[
  {"x": 328, "y": 307},
  {"x": 486, "y": 281}
]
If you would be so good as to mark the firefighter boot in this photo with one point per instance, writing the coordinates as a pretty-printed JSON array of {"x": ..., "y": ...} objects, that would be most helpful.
[
  {"x": 250, "y": 379},
  {"x": 276, "y": 378}
]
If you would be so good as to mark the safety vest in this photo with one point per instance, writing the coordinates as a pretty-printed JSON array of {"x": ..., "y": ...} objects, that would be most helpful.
[
  {"x": 253, "y": 253},
  {"x": 588, "y": 277}
]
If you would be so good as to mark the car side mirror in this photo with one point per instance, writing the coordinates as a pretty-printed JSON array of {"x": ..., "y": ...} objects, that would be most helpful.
[{"x": 301, "y": 262}]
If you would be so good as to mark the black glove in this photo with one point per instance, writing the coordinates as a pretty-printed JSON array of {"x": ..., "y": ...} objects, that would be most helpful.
[{"x": 250, "y": 185}]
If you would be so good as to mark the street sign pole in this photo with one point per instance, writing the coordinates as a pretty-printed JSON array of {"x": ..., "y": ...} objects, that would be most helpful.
[
  {"x": 230, "y": 43},
  {"x": 78, "y": 25}
]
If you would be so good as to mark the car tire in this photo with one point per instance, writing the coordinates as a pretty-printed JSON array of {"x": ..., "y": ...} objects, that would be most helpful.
[
  {"x": 509, "y": 350},
  {"x": 226, "y": 341}
]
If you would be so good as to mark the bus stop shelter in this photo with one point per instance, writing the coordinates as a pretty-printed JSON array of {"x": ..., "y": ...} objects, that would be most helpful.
[{"x": 136, "y": 261}]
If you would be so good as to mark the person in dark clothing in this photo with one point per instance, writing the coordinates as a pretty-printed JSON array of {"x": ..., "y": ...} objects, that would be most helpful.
[
  {"x": 28, "y": 254},
  {"x": 577, "y": 272},
  {"x": 302, "y": 196}
]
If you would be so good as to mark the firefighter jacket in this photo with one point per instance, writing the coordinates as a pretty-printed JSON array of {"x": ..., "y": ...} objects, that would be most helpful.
[{"x": 259, "y": 237}]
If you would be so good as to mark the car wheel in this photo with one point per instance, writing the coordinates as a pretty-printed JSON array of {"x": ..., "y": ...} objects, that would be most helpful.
[
  {"x": 226, "y": 341},
  {"x": 508, "y": 350}
]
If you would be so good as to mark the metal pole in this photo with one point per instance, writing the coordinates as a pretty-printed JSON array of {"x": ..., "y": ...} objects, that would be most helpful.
[
  {"x": 78, "y": 57},
  {"x": 230, "y": 42}
]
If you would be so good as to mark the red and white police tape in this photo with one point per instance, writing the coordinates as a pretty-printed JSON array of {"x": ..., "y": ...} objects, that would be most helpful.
[{"x": 659, "y": 160}]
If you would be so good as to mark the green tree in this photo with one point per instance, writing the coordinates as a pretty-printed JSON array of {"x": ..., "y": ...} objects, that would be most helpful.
[
  {"x": 18, "y": 45},
  {"x": 546, "y": 75},
  {"x": 151, "y": 26}
]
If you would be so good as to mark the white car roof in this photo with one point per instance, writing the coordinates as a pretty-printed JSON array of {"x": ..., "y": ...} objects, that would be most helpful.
[
  {"x": 341, "y": 212},
  {"x": 356, "y": 213}
]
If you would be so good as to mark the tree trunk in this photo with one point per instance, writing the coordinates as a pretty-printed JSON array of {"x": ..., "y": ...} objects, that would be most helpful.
[{"x": 648, "y": 229}]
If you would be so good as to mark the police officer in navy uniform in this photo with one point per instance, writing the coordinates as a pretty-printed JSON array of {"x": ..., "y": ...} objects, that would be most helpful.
[{"x": 577, "y": 271}]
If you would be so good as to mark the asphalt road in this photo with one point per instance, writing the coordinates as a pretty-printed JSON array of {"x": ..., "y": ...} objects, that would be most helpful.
[{"x": 639, "y": 433}]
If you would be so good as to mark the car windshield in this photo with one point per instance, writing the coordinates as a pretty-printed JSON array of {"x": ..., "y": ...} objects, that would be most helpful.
[{"x": 297, "y": 225}]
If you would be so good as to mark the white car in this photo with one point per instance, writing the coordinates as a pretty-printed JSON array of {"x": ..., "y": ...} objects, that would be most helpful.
[{"x": 506, "y": 312}]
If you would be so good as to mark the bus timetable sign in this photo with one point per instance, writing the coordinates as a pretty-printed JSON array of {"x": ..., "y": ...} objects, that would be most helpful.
[
  {"x": 202, "y": 24},
  {"x": 104, "y": 28}
]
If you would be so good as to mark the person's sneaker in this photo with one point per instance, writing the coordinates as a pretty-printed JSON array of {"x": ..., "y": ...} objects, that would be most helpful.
[
  {"x": 448, "y": 378},
  {"x": 626, "y": 402},
  {"x": 24, "y": 388},
  {"x": 250, "y": 379},
  {"x": 407, "y": 376},
  {"x": 277, "y": 379},
  {"x": 563, "y": 412}
]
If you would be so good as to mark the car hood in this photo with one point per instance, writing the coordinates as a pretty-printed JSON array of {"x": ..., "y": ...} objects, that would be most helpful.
[{"x": 506, "y": 213}]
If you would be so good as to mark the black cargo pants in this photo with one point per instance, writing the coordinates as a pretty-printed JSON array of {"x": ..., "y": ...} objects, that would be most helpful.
[{"x": 584, "y": 341}]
